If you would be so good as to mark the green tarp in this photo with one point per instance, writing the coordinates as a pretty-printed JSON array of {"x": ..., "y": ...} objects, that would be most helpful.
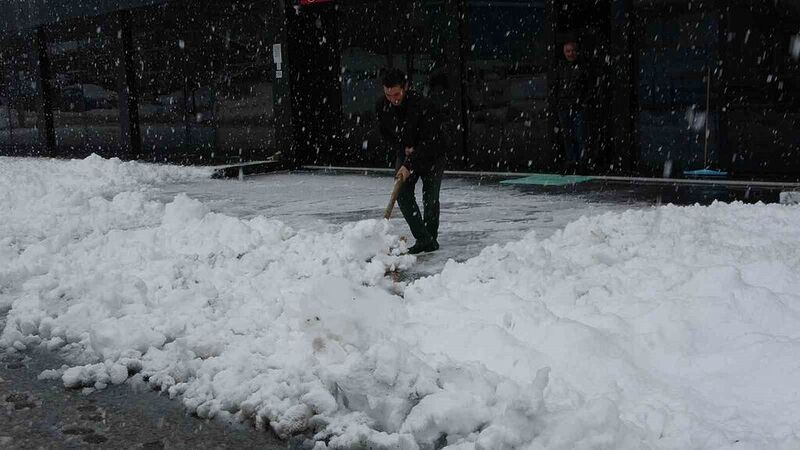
[
  {"x": 705, "y": 173},
  {"x": 548, "y": 179}
]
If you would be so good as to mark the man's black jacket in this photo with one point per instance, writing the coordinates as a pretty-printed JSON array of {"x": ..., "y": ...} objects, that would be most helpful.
[
  {"x": 571, "y": 85},
  {"x": 416, "y": 123}
]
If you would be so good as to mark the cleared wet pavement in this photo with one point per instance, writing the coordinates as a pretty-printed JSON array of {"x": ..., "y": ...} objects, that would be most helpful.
[{"x": 476, "y": 213}]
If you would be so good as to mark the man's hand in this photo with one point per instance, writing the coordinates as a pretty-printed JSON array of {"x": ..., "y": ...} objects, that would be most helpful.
[
  {"x": 403, "y": 174},
  {"x": 409, "y": 151}
]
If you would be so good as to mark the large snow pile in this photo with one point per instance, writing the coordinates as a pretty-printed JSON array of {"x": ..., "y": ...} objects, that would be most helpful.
[{"x": 666, "y": 328}]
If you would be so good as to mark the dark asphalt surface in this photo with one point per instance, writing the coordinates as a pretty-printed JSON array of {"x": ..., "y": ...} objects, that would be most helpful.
[{"x": 42, "y": 414}]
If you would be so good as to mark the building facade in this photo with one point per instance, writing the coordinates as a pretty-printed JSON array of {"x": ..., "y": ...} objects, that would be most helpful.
[{"x": 676, "y": 84}]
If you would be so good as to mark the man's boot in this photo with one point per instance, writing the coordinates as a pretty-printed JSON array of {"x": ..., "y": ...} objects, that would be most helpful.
[{"x": 423, "y": 247}]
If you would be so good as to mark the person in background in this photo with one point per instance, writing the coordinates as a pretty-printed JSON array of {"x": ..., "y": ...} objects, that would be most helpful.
[{"x": 571, "y": 94}]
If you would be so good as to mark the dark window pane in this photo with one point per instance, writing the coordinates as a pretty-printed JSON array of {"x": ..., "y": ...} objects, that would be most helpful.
[
  {"x": 507, "y": 77},
  {"x": 373, "y": 39},
  {"x": 205, "y": 81},
  {"x": 20, "y": 120},
  {"x": 762, "y": 90},
  {"x": 678, "y": 50},
  {"x": 84, "y": 67}
]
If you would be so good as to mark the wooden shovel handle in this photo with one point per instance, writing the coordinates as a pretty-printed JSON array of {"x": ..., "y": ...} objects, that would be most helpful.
[{"x": 398, "y": 183}]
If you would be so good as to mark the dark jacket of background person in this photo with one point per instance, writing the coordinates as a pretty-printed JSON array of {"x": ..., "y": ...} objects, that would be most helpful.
[
  {"x": 571, "y": 85},
  {"x": 414, "y": 123}
]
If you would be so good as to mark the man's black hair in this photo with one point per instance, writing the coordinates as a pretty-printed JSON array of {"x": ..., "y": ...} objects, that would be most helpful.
[
  {"x": 394, "y": 77},
  {"x": 568, "y": 37}
]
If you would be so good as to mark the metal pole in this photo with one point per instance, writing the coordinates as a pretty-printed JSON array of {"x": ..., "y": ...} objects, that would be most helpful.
[
  {"x": 46, "y": 120},
  {"x": 708, "y": 117}
]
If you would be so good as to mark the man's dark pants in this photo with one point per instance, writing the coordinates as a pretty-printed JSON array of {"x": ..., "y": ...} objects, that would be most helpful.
[
  {"x": 573, "y": 131},
  {"x": 425, "y": 226}
]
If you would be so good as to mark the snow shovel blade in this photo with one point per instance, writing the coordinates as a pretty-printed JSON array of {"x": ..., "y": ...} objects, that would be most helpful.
[{"x": 398, "y": 183}]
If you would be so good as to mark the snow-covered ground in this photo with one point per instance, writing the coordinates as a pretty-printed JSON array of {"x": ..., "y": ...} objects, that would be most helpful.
[{"x": 268, "y": 300}]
